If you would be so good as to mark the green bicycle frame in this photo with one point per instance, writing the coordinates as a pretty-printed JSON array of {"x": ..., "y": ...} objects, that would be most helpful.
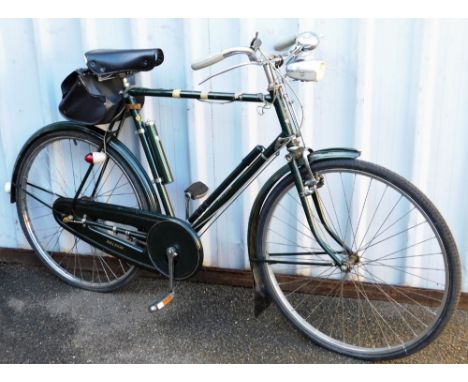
[{"x": 240, "y": 176}]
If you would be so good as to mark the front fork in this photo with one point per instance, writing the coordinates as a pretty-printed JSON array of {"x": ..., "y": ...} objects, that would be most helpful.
[{"x": 307, "y": 186}]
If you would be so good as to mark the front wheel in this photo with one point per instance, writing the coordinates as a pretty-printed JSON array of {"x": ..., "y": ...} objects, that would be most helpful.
[{"x": 401, "y": 281}]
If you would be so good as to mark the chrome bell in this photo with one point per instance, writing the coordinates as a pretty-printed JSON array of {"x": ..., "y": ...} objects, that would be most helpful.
[{"x": 307, "y": 41}]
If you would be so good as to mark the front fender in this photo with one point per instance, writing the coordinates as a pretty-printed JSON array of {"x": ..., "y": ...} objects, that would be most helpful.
[
  {"x": 261, "y": 299},
  {"x": 114, "y": 143},
  {"x": 333, "y": 153}
]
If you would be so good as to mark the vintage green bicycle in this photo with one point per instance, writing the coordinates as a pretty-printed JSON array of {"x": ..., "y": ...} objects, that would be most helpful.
[{"x": 352, "y": 254}]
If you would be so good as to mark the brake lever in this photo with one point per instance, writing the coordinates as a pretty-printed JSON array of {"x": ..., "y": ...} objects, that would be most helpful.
[
  {"x": 231, "y": 68},
  {"x": 256, "y": 42}
]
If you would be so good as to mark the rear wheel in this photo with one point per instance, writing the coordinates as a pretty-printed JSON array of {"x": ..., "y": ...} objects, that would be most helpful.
[
  {"x": 401, "y": 282},
  {"x": 54, "y": 167}
]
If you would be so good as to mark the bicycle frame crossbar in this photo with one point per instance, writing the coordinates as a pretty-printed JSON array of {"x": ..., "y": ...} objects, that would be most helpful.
[{"x": 200, "y": 95}]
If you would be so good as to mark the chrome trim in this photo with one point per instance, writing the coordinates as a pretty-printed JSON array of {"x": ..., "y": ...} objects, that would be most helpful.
[{"x": 308, "y": 41}]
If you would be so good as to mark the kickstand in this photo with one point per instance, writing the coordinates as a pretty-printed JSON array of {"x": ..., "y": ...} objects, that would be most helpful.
[{"x": 161, "y": 303}]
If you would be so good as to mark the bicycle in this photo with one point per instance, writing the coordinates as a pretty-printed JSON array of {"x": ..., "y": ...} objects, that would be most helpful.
[{"x": 352, "y": 254}]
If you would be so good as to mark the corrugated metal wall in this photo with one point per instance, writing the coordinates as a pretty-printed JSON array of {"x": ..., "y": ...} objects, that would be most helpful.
[{"x": 396, "y": 89}]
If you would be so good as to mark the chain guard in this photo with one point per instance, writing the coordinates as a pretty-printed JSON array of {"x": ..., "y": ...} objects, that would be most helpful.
[{"x": 86, "y": 219}]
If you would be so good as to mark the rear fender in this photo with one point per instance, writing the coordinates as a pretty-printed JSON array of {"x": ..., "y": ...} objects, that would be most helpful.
[{"x": 114, "y": 143}]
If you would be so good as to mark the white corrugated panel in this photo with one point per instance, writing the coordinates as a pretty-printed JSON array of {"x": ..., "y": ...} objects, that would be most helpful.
[{"x": 396, "y": 89}]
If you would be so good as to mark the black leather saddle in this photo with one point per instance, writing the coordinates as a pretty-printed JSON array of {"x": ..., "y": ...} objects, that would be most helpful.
[{"x": 112, "y": 61}]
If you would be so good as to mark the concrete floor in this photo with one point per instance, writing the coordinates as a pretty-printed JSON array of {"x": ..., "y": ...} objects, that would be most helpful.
[{"x": 44, "y": 320}]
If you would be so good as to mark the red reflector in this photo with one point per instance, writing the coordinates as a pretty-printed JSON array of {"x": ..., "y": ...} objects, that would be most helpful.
[{"x": 89, "y": 158}]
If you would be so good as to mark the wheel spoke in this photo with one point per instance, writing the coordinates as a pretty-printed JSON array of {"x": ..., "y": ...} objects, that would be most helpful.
[
  {"x": 361, "y": 213},
  {"x": 394, "y": 235},
  {"x": 346, "y": 202},
  {"x": 373, "y": 216}
]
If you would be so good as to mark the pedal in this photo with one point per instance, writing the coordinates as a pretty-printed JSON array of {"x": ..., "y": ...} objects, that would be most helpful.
[
  {"x": 161, "y": 303},
  {"x": 196, "y": 190}
]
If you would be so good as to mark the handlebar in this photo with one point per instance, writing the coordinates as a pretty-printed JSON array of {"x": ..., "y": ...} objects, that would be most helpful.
[
  {"x": 302, "y": 43},
  {"x": 207, "y": 61},
  {"x": 285, "y": 44},
  {"x": 215, "y": 58}
]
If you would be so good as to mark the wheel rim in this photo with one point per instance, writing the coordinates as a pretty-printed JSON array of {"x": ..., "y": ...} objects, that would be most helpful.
[
  {"x": 391, "y": 299},
  {"x": 55, "y": 168}
]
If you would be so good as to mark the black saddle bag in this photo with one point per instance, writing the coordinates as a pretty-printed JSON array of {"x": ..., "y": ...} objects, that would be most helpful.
[{"x": 88, "y": 100}]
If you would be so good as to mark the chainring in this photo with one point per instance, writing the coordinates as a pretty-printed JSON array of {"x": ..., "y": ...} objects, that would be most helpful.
[{"x": 180, "y": 236}]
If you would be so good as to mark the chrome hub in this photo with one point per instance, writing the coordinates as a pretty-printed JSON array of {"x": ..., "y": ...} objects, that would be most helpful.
[{"x": 350, "y": 262}]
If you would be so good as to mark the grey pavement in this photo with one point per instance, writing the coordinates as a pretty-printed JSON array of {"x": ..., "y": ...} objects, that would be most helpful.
[{"x": 44, "y": 320}]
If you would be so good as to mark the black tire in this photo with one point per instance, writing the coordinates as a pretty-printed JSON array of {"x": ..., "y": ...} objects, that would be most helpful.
[
  {"x": 351, "y": 310},
  {"x": 54, "y": 164}
]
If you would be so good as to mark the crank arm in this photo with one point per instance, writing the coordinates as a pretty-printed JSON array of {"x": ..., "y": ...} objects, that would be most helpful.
[{"x": 161, "y": 303}]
